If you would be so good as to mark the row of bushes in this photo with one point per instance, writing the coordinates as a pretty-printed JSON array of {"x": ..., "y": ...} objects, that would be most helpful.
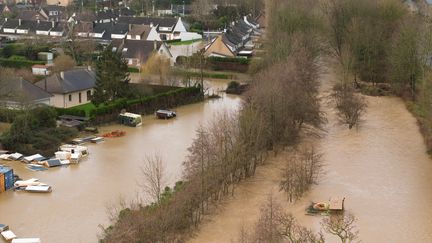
[
  {"x": 18, "y": 63},
  {"x": 244, "y": 61},
  {"x": 205, "y": 74},
  {"x": 20, "y": 49},
  {"x": 70, "y": 111}
]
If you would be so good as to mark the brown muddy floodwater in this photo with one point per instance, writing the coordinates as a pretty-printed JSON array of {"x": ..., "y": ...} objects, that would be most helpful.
[
  {"x": 381, "y": 168},
  {"x": 81, "y": 193}
]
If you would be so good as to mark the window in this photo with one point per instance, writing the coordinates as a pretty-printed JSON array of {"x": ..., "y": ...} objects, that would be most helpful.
[
  {"x": 88, "y": 95},
  {"x": 70, "y": 98},
  {"x": 79, "y": 97}
]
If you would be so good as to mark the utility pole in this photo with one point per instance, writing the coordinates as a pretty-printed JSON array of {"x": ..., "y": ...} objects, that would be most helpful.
[
  {"x": 153, "y": 7},
  {"x": 183, "y": 8}
]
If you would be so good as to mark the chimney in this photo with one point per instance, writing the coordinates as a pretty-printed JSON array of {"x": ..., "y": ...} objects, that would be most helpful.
[
  {"x": 154, "y": 45},
  {"x": 151, "y": 25},
  {"x": 62, "y": 75},
  {"x": 5, "y": 19},
  {"x": 130, "y": 27},
  {"x": 52, "y": 24},
  {"x": 19, "y": 22},
  {"x": 38, "y": 21}
]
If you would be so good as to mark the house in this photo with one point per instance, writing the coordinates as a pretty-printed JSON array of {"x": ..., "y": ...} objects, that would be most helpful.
[
  {"x": 18, "y": 92},
  {"x": 44, "y": 27},
  {"x": 26, "y": 27},
  {"x": 218, "y": 48},
  {"x": 53, "y": 12},
  {"x": 10, "y": 26},
  {"x": 69, "y": 88},
  {"x": 251, "y": 22},
  {"x": 168, "y": 28},
  {"x": 106, "y": 16},
  {"x": 119, "y": 31},
  {"x": 58, "y": 29},
  {"x": 137, "y": 52},
  {"x": 138, "y": 32}
]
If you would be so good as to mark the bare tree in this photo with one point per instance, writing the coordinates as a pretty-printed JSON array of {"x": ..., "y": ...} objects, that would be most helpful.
[
  {"x": 350, "y": 105},
  {"x": 157, "y": 65},
  {"x": 154, "y": 175},
  {"x": 301, "y": 172},
  {"x": 275, "y": 225},
  {"x": 342, "y": 226},
  {"x": 63, "y": 63}
]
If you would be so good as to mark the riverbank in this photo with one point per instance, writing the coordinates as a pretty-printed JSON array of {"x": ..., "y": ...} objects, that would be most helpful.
[{"x": 381, "y": 168}]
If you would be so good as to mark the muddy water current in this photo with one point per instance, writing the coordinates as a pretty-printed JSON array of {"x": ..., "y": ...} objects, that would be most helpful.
[
  {"x": 381, "y": 168},
  {"x": 82, "y": 193}
]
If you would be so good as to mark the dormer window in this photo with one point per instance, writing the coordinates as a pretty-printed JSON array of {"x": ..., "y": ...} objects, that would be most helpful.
[{"x": 53, "y": 13}]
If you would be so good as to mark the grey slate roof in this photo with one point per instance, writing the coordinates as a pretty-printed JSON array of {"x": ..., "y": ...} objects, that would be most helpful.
[
  {"x": 139, "y": 49},
  {"x": 74, "y": 80},
  {"x": 59, "y": 27},
  {"x": 29, "y": 25},
  {"x": 105, "y": 14},
  {"x": 29, "y": 15},
  {"x": 161, "y": 22},
  {"x": 18, "y": 88},
  {"x": 44, "y": 26},
  {"x": 11, "y": 24},
  {"x": 119, "y": 29}
]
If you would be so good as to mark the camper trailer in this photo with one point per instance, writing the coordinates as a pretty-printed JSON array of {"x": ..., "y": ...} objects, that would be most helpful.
[{"x": 130, "y": 119}]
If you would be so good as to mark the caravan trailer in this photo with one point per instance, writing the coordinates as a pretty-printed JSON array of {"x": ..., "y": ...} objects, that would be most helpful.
[{"x": 130, "y": 119}]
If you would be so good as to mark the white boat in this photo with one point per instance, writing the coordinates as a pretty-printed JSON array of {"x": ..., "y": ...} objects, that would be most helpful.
[
  {"x": 40, "y": 188},
  {"x": 26, "y": 240},
  {"x": 5, "y": 157},
  {"x": 97, "y": 139},
  {"x": 15, "y": 156},
  {"x": 8, "y": 235},
  {"x": 73, "y": 149},
  {"x": 25, "y": 183}
]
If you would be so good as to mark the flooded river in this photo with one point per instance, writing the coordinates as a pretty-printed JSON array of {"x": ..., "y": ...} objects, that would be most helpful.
[
  {"x": 381, "y": 168},
  {"x": 81, "y": 193}
]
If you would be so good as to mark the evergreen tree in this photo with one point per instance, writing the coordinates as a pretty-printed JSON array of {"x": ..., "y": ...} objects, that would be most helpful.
[{"x": 112, "y": 77}]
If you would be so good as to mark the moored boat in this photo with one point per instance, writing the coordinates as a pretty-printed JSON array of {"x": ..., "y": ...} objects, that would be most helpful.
[{"x": 39, "y": 188}]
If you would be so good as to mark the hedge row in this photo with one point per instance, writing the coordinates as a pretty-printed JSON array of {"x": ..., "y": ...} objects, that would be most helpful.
[
  {"x": 70, "y": 111},
  {"x": 17, "y": 63},
  {"x": 146, "y": 105},
  {"x": 244, "y": 61}
]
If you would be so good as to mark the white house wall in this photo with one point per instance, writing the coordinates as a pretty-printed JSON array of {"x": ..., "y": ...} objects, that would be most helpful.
[
  {"x": 153, "y": 35},
  {"x": 180, "y": 26},
  {"x": 55, "y": 33},
  {"x": 9, "y": 30},
  {"x": 186, "y": 36},
  {"x": 41, "y": 32},
  {"x": 18, "y": 31},
  {"x": 62, "y": 100}
]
